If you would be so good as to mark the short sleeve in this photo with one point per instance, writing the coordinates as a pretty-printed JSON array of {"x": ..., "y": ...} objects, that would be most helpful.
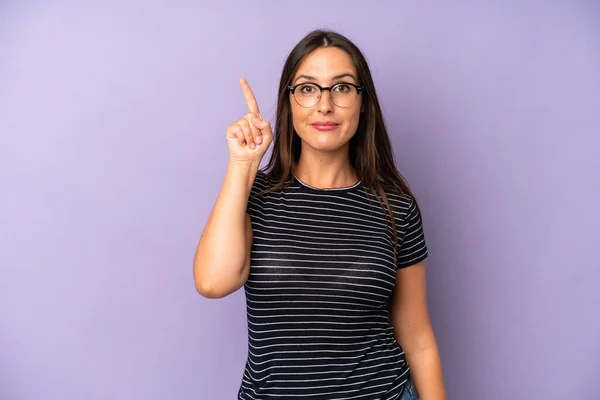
[
  {"x": 411, "y": 237},
  {"x": 254, "y": 201}
]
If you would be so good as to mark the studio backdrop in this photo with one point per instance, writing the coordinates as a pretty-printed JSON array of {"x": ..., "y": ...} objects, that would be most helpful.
[{"x": 113, "y": 150}]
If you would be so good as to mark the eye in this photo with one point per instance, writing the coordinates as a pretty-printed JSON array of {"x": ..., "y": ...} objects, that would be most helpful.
[
  {"x": 342, "y": 88},
  {"x": 307, "y": 89}
]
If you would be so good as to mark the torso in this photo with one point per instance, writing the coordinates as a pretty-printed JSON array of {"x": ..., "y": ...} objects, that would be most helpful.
[{"x": 322, "y": 271}]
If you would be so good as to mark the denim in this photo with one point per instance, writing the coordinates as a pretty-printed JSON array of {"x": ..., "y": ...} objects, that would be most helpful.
[{"x": 409, "y": 392}]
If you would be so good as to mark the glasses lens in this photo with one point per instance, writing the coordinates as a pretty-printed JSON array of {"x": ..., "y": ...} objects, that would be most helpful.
[
  {"x": 343, "y": 95},
  {"x": 307, "y": 95}
]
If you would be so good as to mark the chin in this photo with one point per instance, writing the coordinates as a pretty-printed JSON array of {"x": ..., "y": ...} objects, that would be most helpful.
[{"x": 326, "y": 144}]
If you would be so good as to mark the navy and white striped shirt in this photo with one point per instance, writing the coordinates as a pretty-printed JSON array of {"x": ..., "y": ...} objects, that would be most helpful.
[{"x": 322, "y": 270}]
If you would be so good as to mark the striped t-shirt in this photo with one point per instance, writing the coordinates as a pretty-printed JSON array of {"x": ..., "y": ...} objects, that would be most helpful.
[{"x": 322, "y": 270}]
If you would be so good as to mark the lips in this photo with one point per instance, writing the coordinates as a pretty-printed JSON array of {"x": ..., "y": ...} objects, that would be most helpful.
[{"x": 324, "y": 124}]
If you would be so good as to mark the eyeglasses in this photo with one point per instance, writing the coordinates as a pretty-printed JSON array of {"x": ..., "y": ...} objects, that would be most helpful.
[{"x": 309, "y": 94}]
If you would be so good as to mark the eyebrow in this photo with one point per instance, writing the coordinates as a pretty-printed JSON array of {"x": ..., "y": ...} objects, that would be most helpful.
[{"x": 335, "y": 78}]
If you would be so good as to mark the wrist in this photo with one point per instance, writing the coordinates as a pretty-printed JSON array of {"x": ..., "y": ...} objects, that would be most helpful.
[
  {"x": 242, "y": 166},
  {"x": 243, "y": 170}
]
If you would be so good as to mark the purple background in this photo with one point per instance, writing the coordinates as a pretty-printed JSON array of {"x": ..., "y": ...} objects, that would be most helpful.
[{"x": 112, "y": 151}]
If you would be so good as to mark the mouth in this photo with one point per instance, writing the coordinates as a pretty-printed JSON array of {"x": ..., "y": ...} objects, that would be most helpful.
[{"x": 325, "y": 126}]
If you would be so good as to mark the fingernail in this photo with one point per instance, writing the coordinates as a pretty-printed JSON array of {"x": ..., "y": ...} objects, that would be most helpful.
[
  {"x": 258, "y": 139},
  {"x": 252, "y": 146}
]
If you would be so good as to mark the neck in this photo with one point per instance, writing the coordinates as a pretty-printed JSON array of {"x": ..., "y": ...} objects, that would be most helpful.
[{"x": 325, "y": 170}]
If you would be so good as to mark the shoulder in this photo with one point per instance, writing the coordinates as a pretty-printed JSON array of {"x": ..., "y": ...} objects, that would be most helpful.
[
  {"x": 409, "y": 227},
  {"x": 262, "y": 182},
  {"x": 403, "y": 204},
  {"x": 261, "y": 178},
  {"x": 261, "y": 187},
  {"x": 401, "y": 201}
]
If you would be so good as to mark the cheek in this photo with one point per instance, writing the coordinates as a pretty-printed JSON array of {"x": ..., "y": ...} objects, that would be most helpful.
[
  {"x": 352, "y": 120},
  {"x": 299, "y": 118}
]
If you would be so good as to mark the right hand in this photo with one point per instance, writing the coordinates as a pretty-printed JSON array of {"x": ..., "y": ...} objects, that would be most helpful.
[{"x": 249, "y": 137}]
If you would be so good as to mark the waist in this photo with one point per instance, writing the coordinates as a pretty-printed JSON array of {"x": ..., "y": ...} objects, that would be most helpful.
[{"x": 369, "y": 364}]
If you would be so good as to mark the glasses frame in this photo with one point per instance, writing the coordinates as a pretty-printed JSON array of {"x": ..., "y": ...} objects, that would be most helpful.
[{"x": 292, "y": 89}]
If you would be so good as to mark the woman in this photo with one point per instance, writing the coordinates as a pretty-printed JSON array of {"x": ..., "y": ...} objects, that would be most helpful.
[{"x": 327, "y": 241}]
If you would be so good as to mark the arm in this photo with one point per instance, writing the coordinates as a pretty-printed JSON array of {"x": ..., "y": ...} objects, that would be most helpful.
[
  {"x": 413, "y": 331},
  {"x": 222, "y": 258}
]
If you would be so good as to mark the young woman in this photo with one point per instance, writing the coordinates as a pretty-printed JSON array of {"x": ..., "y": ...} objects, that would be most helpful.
[{"x": 327, "y": 241}]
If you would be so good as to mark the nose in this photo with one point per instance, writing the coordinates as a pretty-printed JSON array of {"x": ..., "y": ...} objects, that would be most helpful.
[{"x": 325, "y": 104}]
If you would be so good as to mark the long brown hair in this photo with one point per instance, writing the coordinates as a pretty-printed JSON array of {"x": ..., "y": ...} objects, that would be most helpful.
[{"x": 371, "y": 152}]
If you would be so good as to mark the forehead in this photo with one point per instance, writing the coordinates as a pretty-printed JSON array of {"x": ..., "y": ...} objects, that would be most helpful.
[{"x": 326, "y": 62}]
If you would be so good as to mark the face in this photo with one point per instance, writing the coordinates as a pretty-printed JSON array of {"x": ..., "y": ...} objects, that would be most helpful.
[{"x": 326, "y": 126}]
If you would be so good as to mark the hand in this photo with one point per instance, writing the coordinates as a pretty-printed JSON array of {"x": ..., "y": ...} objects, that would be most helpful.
[{"x": 250, "y": 137}]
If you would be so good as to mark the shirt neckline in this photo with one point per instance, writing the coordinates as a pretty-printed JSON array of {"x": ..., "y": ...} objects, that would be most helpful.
[{"x": 326, "y": 190}]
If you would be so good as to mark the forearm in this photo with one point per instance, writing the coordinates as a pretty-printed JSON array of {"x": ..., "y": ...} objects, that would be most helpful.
[
  {"x": 221, "y": 253},
  {"x": 426, "y": 370}
]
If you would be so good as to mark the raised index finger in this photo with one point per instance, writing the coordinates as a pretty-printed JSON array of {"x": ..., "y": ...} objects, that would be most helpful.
[{"x": 250, "y": 99}]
